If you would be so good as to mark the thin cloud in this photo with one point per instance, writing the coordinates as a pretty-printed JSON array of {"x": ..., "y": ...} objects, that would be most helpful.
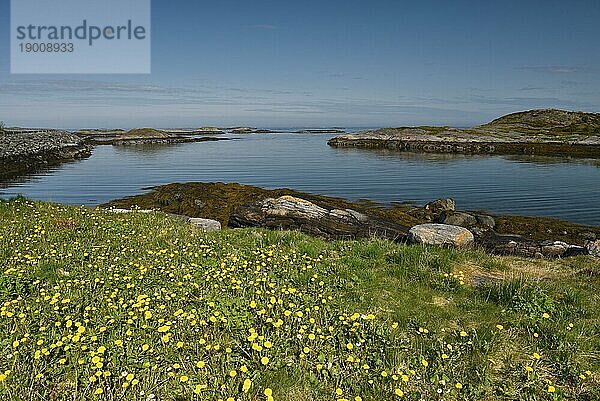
[
  {"x": 552, "y": 69},
  {"x": 532, "y": 88}
]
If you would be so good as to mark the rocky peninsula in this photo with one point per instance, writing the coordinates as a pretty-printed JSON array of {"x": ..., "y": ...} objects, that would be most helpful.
[
  {"x": 536, "y": 132},
  {"x": 25, "y": 150},
  {"x": 438, "y": 222}
]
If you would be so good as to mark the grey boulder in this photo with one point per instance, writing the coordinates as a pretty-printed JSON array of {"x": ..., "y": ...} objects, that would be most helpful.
[
  {"x": 486, "y": 221},
  {"x": 458, "y": 219}
]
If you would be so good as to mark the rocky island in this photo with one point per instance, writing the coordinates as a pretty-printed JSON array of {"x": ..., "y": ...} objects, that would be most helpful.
[
  {"x": 146, "y": 136},
  {"x": 536, "y": 132}
]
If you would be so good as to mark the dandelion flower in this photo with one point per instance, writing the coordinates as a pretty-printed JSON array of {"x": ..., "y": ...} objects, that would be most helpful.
[{"x": 199, "y": 387}]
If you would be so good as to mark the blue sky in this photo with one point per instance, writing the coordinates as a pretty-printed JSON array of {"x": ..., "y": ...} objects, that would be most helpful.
[{"x": 322, "y": 63}]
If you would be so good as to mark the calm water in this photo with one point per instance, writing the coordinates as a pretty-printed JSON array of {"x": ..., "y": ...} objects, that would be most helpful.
[{"x": 507, "y": 185}]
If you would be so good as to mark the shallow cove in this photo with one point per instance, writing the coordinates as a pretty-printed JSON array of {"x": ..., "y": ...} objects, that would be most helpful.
[{"x": 517, "y": 185}]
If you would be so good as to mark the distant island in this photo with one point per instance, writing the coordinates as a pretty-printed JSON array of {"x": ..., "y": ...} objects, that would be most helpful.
[
  {"x": 535, "y": 132},
  {"x": 147, "y": 136}
]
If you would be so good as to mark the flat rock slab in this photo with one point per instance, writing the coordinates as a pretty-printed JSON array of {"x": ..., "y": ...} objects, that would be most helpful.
[
  {"x": 206, "y": 225},
  {"x": 292, "y": 213},
  {"x": 515, "y": 245},
  {"x": 440, "y": 234}
]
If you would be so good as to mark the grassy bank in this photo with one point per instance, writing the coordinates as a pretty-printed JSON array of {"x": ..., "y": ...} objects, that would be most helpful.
[{"x": 139, "y": 306}]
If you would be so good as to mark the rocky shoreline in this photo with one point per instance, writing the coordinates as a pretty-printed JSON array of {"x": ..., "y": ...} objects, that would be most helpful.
[
  {"x": 22, "y": 152},
  {"x": 536, "y": 132},
  {"x": 438, "y": 222}
]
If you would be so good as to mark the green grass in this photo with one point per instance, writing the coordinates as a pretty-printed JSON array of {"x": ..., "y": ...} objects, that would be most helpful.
[{"x": 141, "y": 306}]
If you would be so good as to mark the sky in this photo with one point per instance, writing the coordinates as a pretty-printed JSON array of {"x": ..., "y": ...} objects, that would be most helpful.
[{"x": 320, "y": 63}]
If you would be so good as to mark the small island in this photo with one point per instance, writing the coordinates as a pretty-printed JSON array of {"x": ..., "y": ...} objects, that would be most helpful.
[
  {"x": 148, "y": 136},
  {"x": 535, "y": 132}
]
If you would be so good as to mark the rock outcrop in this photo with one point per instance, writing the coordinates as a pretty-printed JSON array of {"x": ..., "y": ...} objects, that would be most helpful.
[
  {"x": 440, "y": 234},
  {"x": 441, "y": 205},
  {"x": 22, "y": 152},
  {"x": 292, "y": 213},
  {"x": 238, "y": 205},
  {"x": 515, "y": 245}
]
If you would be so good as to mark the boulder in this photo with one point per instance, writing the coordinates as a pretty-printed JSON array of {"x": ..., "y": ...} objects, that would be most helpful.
[
  {"x": 485, "y": 221},
  {"x": 292, "y": 213},
  {"x": 553, "y": 248},
  {"x": 457, "y": 219},
  {"x": 440, "y": 234},
  {"x": 588, "y": 236},
  {"x": 206, "y": 225},
  {"x": 593, "y": 248},
  {"x": 441, "y": 205}
]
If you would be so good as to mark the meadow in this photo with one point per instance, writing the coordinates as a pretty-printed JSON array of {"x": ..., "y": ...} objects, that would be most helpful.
[{"x": 104, "y": 306}]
